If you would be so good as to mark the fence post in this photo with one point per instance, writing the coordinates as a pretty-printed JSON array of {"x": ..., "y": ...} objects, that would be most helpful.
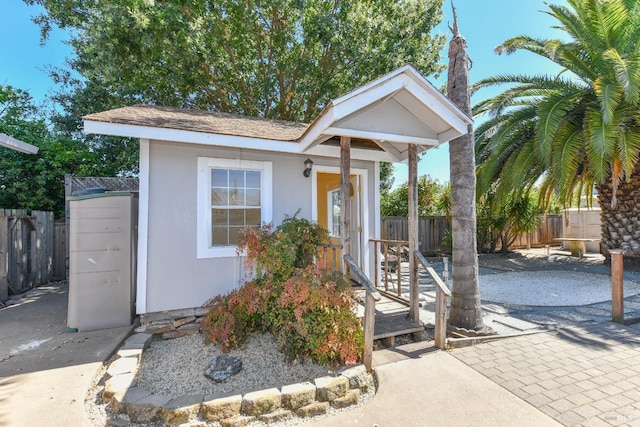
[
  {"x": 617, "y": 285},
  {"x": 4, "y": 257}
]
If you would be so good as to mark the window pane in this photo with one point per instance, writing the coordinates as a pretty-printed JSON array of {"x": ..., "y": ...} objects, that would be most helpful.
[
  {"x": 220, "y": 236},
  {"x": 253, "y": 197},
  {"x": 219, "y": 197},
  {"x": 253, "y": 217},
  {"x": 236, "y": 217},
  {"x": 235, "y": 234},
  {"x": 253, "y": 179},
  {"x": 232, "y": 192},
  {"x": 236, "y": 197},
  {"x": 219, "y": 217},
  {"x": 219, "y": 178},
  {"x": 236, "y": 179}
]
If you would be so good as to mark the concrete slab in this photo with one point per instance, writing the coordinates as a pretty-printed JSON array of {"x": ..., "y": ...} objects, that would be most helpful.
[
  {"x": 44, "y": 372},
  {"x": 437, "y": 389}
]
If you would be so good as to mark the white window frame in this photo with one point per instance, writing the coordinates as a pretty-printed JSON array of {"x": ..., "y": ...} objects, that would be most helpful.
[{"x": 205, "y": 164}]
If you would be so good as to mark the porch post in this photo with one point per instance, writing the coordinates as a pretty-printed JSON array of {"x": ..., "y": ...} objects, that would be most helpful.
[
  {"x": 345, "y": 202},
  {"x": 413, "y": 233}
]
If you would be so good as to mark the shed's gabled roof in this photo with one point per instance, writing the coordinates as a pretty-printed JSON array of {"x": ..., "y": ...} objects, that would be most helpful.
[
  {"x": 201, "y": 121},
  {"x": 381, "y": 117}
]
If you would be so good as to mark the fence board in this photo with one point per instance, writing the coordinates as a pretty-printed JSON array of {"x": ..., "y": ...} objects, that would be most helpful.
[
  {"x": 550, "y": 228},
  {"x": 4, "y": 257},
  {"x": 26, "y": 250},
  {"x": 60, "y": 250},
  {"x": 433, "y": 229}
]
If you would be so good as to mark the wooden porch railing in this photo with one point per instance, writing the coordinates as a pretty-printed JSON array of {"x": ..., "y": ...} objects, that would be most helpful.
[
  {"x": 371, "y": 296},
  {"x": 330, "y": 253},
  {"x": 383, "y": 246},
  {"x": 442, "y": 292}
]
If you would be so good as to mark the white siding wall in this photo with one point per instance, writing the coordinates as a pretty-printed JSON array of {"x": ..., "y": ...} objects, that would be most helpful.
[{"x": 175, "y": 277}]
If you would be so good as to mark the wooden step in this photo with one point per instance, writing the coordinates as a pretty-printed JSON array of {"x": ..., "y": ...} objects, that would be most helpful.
[{"x": 394, "y": 324}]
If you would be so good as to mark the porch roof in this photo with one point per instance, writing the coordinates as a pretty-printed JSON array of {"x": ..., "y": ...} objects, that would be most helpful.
[
  {"x": 381, "y": 118},
  {"x": 393, "y": 111},
  {"x": 16, "y": 144}
]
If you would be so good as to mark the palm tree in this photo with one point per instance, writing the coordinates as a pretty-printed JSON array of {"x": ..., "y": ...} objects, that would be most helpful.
[
  {"x": 465, "y": 311},
  {"x": 577, "y": 131}
]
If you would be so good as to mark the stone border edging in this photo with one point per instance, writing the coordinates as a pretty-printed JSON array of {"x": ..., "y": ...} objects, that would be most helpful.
[{"x": 230, "y": 410}]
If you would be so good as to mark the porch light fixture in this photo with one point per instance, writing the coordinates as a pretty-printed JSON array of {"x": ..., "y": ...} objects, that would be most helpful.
[{"x": 308, "y": 164}]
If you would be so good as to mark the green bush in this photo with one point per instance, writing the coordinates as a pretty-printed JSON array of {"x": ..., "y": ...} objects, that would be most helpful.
[{"x": 311, "y": 314}]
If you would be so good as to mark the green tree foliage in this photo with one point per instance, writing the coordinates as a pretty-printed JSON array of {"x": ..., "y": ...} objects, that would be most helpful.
[
  {"x": 279, "y": 59},
  {"x": 576, "y": 129},
  {"x": 430, "y": 193},
  {"x": 386, "y": 177},
  {"x": 35, "y": 181},
  {"x": 506, "y": 219}
]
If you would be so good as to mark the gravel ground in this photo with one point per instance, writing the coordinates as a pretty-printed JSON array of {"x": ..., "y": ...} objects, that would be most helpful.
[
  {"x": 550, "y": 288},
  {"x": 176, "y": 367}
]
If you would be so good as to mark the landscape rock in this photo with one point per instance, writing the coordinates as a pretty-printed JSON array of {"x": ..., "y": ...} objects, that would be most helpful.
[
  {"x": 221, "y": 408},
  {"x": 313, "y": 409},
  {"x": 239, "y": 421},
  {"x": 298, "y": 395},
  {"x": 351, "y": 398},
  {"x": 222, "y": 367},
  {"x": 123, "y": 365},
  {"x": 181, "y": 410},
  {"x": 261, "y": 402},
  {"x": 358, "y": 378},
  {"x": 331, "y": 388},
  {"x": 275, "y": 416}
]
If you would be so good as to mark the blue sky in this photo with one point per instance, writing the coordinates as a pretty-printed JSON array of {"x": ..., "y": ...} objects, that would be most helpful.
[{"x": 484, "y": 23}]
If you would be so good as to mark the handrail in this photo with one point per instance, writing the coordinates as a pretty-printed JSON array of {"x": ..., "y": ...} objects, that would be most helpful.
[
  {"x": 371, "y": 296},
  {"x": 330, "y": 245},
  {"x": 404, "y": 242},
  {"x": 364, "y": 280},
  {"x": 427, "y": 266},
  {"x": 442, "y": 292}
]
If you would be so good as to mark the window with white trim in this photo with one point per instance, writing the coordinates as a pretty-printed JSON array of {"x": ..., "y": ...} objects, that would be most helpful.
[{"x": 232, "y": 194}]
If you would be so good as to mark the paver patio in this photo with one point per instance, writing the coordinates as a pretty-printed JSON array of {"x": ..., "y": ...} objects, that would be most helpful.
[{"x": 584, "y": 375}]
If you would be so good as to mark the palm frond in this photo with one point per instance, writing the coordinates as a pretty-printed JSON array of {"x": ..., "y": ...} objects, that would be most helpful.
[
  {"x": 601, "y": 143},
  {"x": 551, "y": 112},
  {"x": 609, "y": 96},
  {"x": 627, "y": 72}
]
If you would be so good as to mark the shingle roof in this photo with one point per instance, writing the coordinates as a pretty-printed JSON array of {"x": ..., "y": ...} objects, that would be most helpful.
[{"x": 201, "y": 121}]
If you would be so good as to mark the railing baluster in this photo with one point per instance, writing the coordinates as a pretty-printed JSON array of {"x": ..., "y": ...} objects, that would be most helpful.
[
  {"x": 399, "y": 269},
  {"x": 375, "y": 262},
  {"x": 386, "y": 267}
]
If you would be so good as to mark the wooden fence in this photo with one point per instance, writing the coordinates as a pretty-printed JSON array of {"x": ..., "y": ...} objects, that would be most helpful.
[
  {"x": 551, "y": 227},
  {"x": 60, "y": 250},
  {"x": 26, "y": 250},
  {"x": 433, "y": 229}
]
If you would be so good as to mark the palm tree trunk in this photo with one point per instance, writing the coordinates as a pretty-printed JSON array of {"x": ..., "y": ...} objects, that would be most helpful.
[
  {"x": 620, "y": 226},
  {"x": 465, "y": 311}
]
